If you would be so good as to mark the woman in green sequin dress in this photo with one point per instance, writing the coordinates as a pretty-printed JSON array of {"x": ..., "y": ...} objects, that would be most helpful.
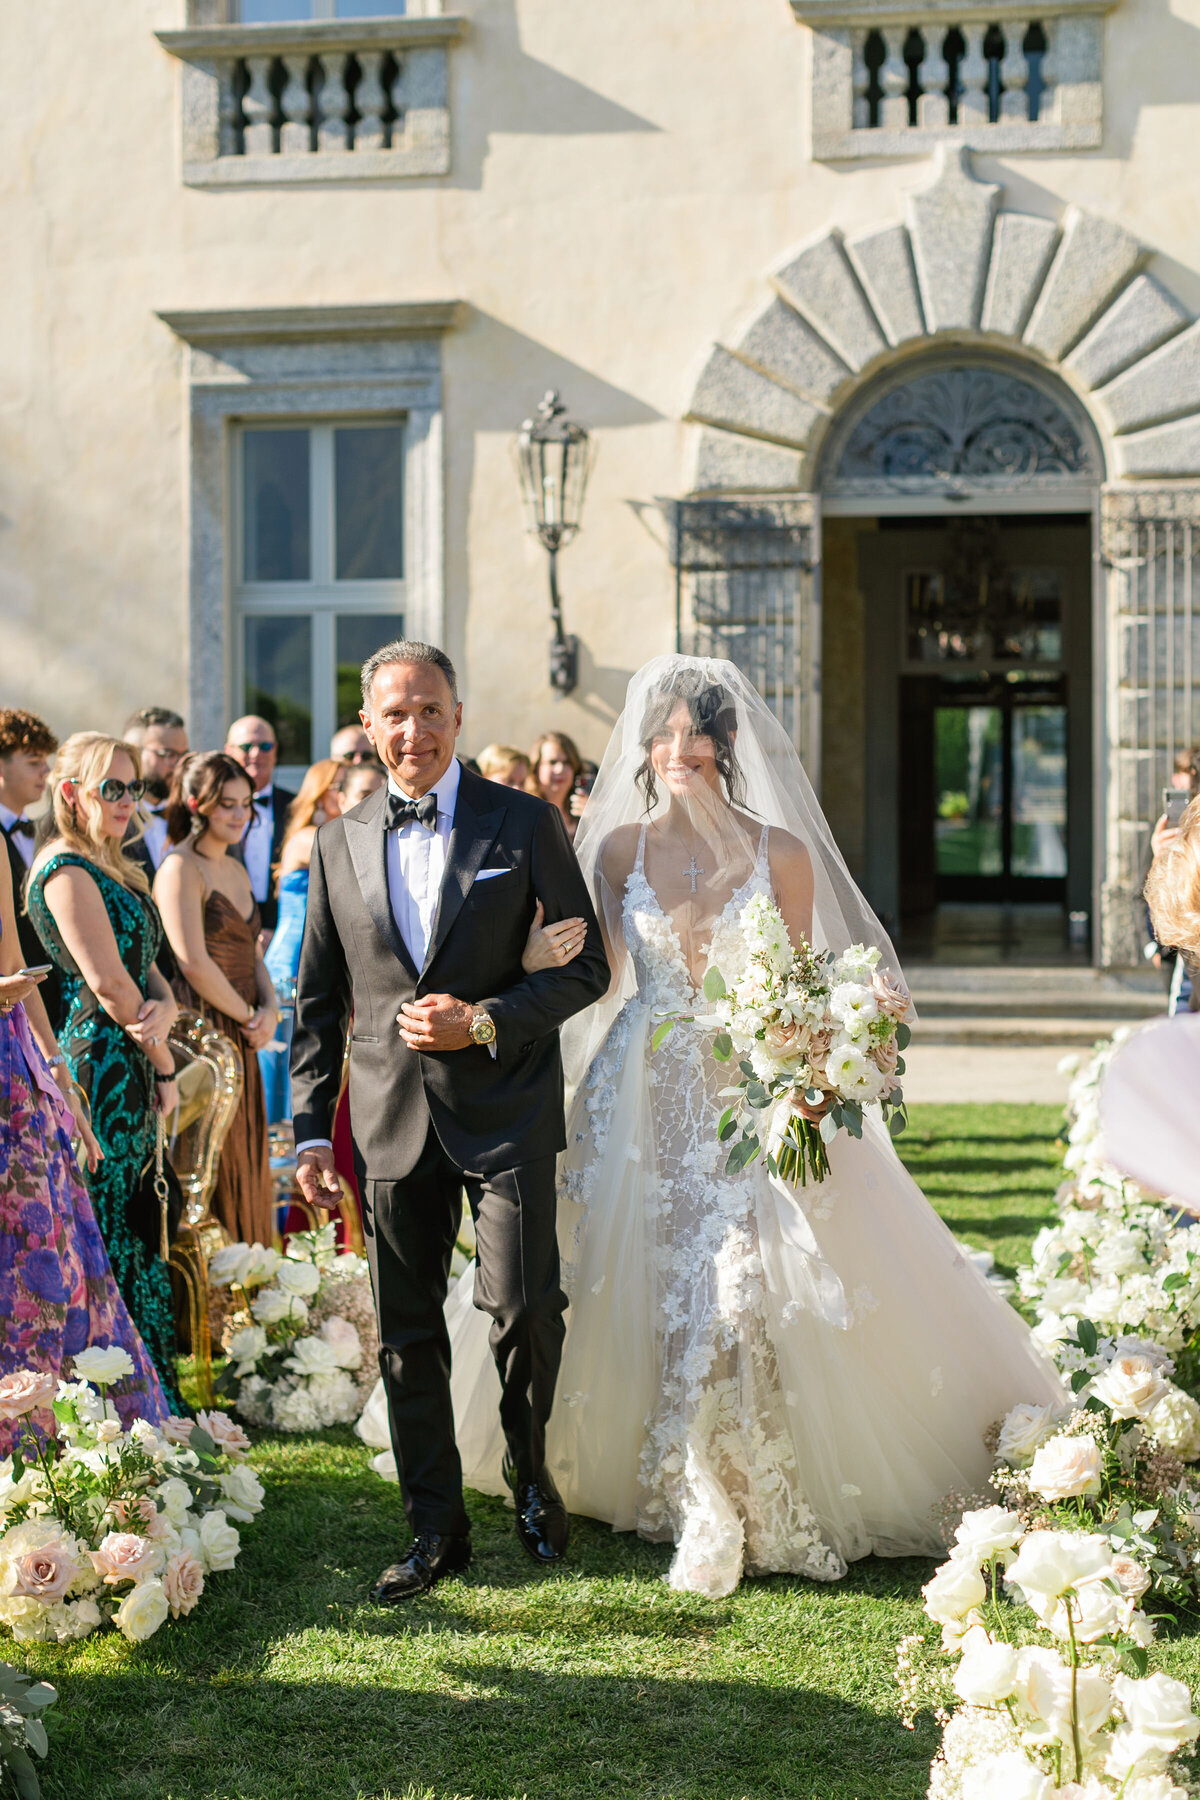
[{"x": 91, "y": 909}]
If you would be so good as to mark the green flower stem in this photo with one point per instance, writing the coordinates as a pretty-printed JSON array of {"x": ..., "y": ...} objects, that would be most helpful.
[{"x": 1075, "y": 1738}]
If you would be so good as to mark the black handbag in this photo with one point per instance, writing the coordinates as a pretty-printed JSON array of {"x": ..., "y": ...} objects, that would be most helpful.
[{"x": 155, "y": 1207}]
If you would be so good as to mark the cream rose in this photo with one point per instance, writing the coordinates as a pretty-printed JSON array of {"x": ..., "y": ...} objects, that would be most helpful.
[
  {"x": 261, "y": 1265},
  {"x": 272, "y": 1307},
  {"x": 183, "y": 1582},
  {"x": 1050, "y": 1562},
  {"x": 142, "y": 1612},
  {"x": 891, "y": 996},
  {"x": 955, "y": 1591},
  {"x": 175, "y": 1498},
  {"x": 123, "y": 1556},
  {"x": 24, "y": 1391},
  {"x": 1132, "y": 1577},
  {"x": 136, "y": 1510},
  {"x": 245, "y": 1348},
  {"x": 1065, "y": 1467},
  {"x": 242, "y": 1493},
  {"x": 1159, "y": 1709},
  {"x": 225, "y": 1433},
  {"x": 103, "y": 1367},
  {"x": 987, "y": 1674},
  {"x": 298, "y": 1279},
  {"x": 1174, "y": 1422},
  {"x": 227, "y": 1265},
  {"x": 886, "y": 1054},
  {"x": 108, "y": 1431},
  {"x": 1131, "y": 1385},
  {"x": 1010, "y": 1776},
  {"x": 344, "y": 1341},
  {"x": 988, "y": 1532},
  {"x": 219, "y": 1542}
]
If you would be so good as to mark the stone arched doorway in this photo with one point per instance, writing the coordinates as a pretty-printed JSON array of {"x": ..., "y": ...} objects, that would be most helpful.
[{"x": 970, "y": 363}]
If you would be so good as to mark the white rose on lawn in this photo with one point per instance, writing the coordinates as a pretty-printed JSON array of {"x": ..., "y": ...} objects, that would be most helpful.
[
  {"x": 1131, "y": 1385},
  {"x": 987, "y": 1674},
  {"x": 312, "y": 1355},
  {"x": 1174, "y": 1422},
  {"x": 142, "y": 1612},
  {"x": 272, "y": 1306},
  {"x": 245, "y": 1348},
  {"x": 1133, "y": 1578},
  {"x": 955, "y": 1590},
  {"x": 1154, "y": 1787},
  {"x": 175, "y": 1497},
  {"x": 1159, "y": 1709},
  {"x": 1042, "y": 1693},
  {"x": 219, "y": 1542},
  {"x": 344, "y": 1341},
  {"x": 1065, "y": 1467},
  {"x": 1049, "y": 1562},
  {"x": 298, "y": 1279},
  {"x": 242, "y": 1492},
  {"x": 103, "y": 1367},
  {"x": 1008, "y": 1777},
  {"x": 1121, "y": 1253},
  {"x": 988, "y": 1532},
  {"x": 1097, "y": 1610}
]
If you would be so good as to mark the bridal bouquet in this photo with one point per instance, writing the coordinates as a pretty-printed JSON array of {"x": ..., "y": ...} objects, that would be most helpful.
[
  {"x": 1077, "y": 1716},
  {"x": 807, "y": 1027},
  {"x": 99, "y": 1525},
  {"x": 302, "y": 1342}
]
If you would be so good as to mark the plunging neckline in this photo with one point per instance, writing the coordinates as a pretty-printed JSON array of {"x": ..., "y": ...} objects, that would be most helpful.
[{"x": 735, "y": 901}]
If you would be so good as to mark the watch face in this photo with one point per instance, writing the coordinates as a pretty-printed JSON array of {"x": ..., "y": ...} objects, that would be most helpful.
[{"x": 482, "y": 1029}]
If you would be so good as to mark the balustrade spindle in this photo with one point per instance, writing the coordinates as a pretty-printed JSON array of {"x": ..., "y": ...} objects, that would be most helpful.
[
  {"x": 229, "y": 108},
  {"x": 1049, "y": 72},
  {"x": 893, "y": 79},
  {"x": 973, "y": 106},
  {"x": 369, "y": 101},
  {"x": 258, "y": 107},
  {"x": 333, "y": 133},
  {"x": 933, "y": 108},
  {"x": 1014, "y": 76},
  {"x": 860, "y": 81},
  {"x": 399, "y": 102},
  {"x": 295, "y": 136}
]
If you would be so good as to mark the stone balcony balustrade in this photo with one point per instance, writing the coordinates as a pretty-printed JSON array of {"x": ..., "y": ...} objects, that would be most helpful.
[{"x": 320, "y": 100}]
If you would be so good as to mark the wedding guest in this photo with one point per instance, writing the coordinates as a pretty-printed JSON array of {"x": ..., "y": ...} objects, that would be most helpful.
[
  {"x": 329, "y": 789},
  {"x": 556, "y": 765},
  {"x": 212, "y": 922},
  {"x": 161, "y": 736},
  {"x": 93, "y": 912},
  {"x": 504, "y": 765},
  {"x": 1173, "y": 897},
  {"x": 26, "y": 746},
  {"x": 352, "y": 745},
  {"x": 251, "y": 742},
  {"x": 1185, "y": 778},
  {"x": 58, "y": 1295}
]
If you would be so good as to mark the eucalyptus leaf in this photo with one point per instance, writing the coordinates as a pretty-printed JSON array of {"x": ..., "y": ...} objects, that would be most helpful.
[
  {"x": 903, "y": 1037},
  {"x": 726, "y": 1125},
  {"x": 896, "y": 1123},
  {"x": 722, "y": 1047},
  {"x": 714, "y": 985},
  {"x": 828, "y": 1128},
  {"x": 1086, "y": 1336},
  {"x": 661, "y": 1034},
  {"x": 35, "y": 1737}
]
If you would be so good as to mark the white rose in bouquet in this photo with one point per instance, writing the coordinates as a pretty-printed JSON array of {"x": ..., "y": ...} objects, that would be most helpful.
[
  {"x": 344, "y": 1341},
  {"x": 298, "y": 1279},
  {"x": 219, "y": 1542},
  {"x": 227, "y": 1265},
  {"x": 245, "y": 1348},
  {"x": 261, "y": 1265},
  {"x": 1065, "y": 1467},
  {"x": 103, "y": 1367},
  {"x": 1042, "y": 1693},
  {"x": 1131, "y": 1386},
  {"x": 1174, "y": 1422},
  {"x": 312, "y": 1356},
  {"x": 1050, "y": 1562},
  {"x": 1154, "y": 1787},
  {"x": 1096, "y": 1610},
  {"x": 142, "y": 1612},
  {"x": 347, "y": 1265},
  {"x": 272, "y": 1307},
  {"x": 175, "y": 1497},
  {"x": 1024, "y": 1430},
  {"x": 987, "y": 1673},
  {"x": 1159, "y": 1710},
  {"x": 954, "y": 1592},
  {"x": 242, "y": 1493},
  {"x": 335, "y": 1398},
  {"x": 183, "y": 1582},
  {"x": 987, "y": 1532},
  {"x": 1008, "y": 1777},
  {"x": 1121, "y": 1252},
  {"x": 1132, "y": 1577}
]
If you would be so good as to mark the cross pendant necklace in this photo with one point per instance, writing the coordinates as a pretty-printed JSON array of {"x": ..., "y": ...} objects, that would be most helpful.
[{"x": 693, "y": 871}]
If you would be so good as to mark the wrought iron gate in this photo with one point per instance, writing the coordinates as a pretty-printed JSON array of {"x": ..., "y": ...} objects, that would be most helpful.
[
  {"x": 1150, "y": 541},
  {"x": 745, "y": 591}
]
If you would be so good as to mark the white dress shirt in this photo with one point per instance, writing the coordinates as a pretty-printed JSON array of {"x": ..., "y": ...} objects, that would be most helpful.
[
  {"x": 154, "y": 836},
  {"x": 416, "y": 862},
  {"x": 256, "y": 845},
  {"x": 24, "y": 839}
]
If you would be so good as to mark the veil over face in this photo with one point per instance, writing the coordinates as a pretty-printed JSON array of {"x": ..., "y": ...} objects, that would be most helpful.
[{"x": 707, "y": 833}]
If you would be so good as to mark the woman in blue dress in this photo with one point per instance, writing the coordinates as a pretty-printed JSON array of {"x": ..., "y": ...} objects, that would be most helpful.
[{"x": 90, "y": 905}]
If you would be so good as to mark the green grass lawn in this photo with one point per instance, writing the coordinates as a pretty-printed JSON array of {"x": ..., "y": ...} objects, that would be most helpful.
[{"x": 595, "y": 1681}]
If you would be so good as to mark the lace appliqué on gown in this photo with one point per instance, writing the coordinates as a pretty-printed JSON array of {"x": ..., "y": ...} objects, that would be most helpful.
[{"x": 717, "y": 1474}]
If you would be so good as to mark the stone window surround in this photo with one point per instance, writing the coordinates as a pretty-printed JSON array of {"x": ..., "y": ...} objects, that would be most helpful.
[
  {"x": 1076, "y": 105},
  {"x": 211, "y": 51},
  {"x": 293, "y": 363}
]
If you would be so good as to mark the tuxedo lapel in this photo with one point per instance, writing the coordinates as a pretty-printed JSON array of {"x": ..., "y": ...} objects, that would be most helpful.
[
  {"x": 471, "y": 837},
  {"x": 366, "y": 841}
]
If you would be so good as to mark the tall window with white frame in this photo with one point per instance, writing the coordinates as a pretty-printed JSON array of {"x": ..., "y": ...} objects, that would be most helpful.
[{"x": 319, "y": 582}]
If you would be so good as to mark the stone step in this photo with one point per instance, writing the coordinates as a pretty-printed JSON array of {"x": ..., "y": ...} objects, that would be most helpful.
[
  {"x": 1017, "y": 995},
  {"x": 1047, "y": 1032}
]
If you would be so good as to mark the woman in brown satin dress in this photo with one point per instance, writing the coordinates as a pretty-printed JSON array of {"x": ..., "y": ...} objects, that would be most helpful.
[{"x": 211, "y": 921}]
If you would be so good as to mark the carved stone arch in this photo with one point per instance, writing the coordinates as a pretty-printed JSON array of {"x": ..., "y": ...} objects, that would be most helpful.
[{"x": 959, "y": 271}]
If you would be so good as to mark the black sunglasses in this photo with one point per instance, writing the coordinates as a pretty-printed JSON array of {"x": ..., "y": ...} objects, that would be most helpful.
[
  {"x": 255, "y": 744},
  {"x": 112, "y": 790}
]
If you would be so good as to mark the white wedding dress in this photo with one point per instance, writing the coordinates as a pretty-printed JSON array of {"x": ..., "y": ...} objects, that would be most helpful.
[{"x": 772, "y": 1379}]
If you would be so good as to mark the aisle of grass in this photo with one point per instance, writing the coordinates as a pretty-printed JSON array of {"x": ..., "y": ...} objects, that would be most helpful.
[{"x": 596, "y": 1681}]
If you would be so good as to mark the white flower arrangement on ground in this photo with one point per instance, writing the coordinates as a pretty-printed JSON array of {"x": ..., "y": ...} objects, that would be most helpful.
[
  {"x": 303, "y": 1346},
  {"x": 807, "y": 1027},
  {"x": 1078, "y": 1718},
  {"x": 99, "y": 1525}
]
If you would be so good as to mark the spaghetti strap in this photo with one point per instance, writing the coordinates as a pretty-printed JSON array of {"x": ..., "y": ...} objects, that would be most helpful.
[{"x": 639, "y": 859}]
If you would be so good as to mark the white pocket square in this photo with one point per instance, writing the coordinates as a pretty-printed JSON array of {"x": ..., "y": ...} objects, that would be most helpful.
[{"x": 490, "y": 874}]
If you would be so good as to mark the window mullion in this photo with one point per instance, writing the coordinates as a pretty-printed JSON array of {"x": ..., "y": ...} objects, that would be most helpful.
[
  {"x": 322, "y": 505},
  {"x": 324, "y": 626}
]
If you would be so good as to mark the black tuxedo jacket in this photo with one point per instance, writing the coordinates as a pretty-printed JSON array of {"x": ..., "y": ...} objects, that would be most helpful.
[
  {"x": 490, "y": 1114},
  {"x": 33, "y": 951},
  {"x": 281, "y": 800}
]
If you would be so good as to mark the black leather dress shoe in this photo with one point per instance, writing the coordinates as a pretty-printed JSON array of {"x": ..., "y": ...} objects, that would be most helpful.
[
  {"x": 542, "y": 1523},
  {"x": 428, "y": 1558}
]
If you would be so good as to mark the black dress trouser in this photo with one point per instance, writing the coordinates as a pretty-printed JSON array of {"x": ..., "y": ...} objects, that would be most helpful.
[{"x": 410, "y": 1228}]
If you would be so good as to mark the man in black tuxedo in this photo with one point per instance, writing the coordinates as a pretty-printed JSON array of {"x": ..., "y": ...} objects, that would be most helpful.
[
  {"x": 419, "y": 903},
  {"x": 251, "y": 742},
  {"x": 26, "y": 746}
]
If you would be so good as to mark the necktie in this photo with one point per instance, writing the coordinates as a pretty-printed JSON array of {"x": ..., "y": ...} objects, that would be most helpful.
[
  {"x": 21, "y": 828},
  {"x": 401, "y": 811}
]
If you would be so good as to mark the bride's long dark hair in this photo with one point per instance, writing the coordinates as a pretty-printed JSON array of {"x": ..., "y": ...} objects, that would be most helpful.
[{"x": 712, "y": 714}]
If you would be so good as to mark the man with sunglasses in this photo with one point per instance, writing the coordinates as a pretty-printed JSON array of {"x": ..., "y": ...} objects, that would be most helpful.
[
  {"x": 251, "y": 742},
  {"x": 161, "y": 736},
  {"x": 352, "y": 745}
]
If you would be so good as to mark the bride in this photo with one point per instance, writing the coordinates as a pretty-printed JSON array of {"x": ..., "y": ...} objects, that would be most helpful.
[{"x": 771, "y": 1379}]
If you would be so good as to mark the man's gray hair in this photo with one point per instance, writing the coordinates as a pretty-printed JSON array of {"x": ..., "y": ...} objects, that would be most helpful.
[{"x": 407, "y": 650}]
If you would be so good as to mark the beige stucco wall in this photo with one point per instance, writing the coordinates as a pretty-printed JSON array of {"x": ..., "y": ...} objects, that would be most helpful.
[{"x": 623, "y": 178}]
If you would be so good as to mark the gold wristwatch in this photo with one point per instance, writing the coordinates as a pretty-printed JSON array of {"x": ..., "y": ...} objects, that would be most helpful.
[{"x": 483, "y": 1027}]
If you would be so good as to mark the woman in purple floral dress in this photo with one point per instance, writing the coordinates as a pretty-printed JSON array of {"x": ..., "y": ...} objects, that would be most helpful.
[{"x": 57, "y": 1293}]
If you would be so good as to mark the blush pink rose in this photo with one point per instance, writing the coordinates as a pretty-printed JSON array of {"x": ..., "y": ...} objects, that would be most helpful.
[
  {"x": 225, "y": 1433},
  {"x": 122, "y": 1556},
  {"x": 138, "y": 1511},
  {"x": 885, "y": 1055},
  {"x": 183, "y": 1582},
  {"x": 24, "y": 1391},
  {"x": 45, "y": 1573},
  {"x": 178, "y": 1431},
  {"x": 891, "y": 995},
  {"x": 782, "y": 1040}
]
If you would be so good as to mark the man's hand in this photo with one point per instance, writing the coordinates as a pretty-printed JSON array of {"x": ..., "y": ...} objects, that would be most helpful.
[
  {"x": 1163, "y": 836},
  {"x": 436, "y": 1022},
  {"x": 316, "y": 1177}
]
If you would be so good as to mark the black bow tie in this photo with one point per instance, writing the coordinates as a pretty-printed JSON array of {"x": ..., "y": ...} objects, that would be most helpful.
[
  {"x": 21, "y": 828},
  {"x": 263, "y": 800},
  {"x": 401, "y": 811}
]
